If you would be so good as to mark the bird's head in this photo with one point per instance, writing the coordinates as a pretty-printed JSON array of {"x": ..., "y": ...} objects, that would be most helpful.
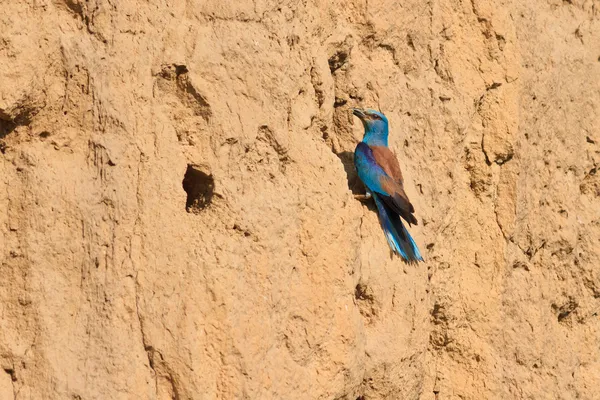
[{"x": 376, "y": 126}]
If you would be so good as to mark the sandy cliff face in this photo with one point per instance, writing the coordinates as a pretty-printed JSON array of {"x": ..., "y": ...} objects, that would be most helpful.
[{"x": 177, "y": 218}]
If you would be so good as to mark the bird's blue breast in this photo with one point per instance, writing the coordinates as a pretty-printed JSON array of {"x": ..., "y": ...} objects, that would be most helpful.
[{"x": 367, "y": 168}]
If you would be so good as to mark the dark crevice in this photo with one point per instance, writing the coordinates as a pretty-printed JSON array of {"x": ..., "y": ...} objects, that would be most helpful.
[
  {"x": 6, "y": 127},
  {"x": 317, "y": 84},
  {"x": 180, "y": 69},
  {"x": 565, "y": 310},
  {"x": 410, "y": 42},
  {"x": 75, "y": 7},
  {"x": 487, "y": 158},
  {"x": 239, "y": 229},
  {"x": 9, "y": 123},
  {"x": 188, "y": 93},
  {"x": 501, "y": 161},
  {"x": 339, "y": 102},
  {"x": 11, "y": 372},
  {"x": 362, "y": 292},
  {"x": 20, "y": 114},
  {"x": 365, "y": 300},
  {"x": 391, "y": 49},
  {"x": 13, "y": 378},
  {"x": 199, "y": 187},
  {"x": 337, "y": 60},
  {"x": 438, "y": 314}
]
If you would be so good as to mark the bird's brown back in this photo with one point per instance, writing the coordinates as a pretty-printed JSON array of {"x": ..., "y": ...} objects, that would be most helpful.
[{"x": 388, "y": 161}]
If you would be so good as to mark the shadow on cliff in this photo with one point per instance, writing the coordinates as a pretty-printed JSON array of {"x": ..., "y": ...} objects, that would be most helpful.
[
  {"x": 354, "y": 183},
  {"x": 6, "y": 127}
]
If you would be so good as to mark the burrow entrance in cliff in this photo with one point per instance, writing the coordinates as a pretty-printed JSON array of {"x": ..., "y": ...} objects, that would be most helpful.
[{"x": 199, "y": 185}]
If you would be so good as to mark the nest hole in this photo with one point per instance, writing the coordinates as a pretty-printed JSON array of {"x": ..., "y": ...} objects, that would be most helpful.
[{"x": 199, "y": 187}]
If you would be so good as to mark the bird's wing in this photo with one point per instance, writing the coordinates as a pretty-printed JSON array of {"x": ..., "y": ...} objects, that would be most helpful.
[
  {"x": 377, "y": 180},
  {"x": 388, "y": 162}
]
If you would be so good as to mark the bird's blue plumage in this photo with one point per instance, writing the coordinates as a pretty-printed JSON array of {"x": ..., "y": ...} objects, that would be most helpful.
[
  {"x": 369, "y": 172},
  {"x": 395, "y": 232},
  {"x": 388, "y": 194},
  {"x": 376, "y": 130}
]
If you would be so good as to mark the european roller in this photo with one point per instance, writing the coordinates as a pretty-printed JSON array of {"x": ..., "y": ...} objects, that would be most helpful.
[{"x": 379, "y": 170}]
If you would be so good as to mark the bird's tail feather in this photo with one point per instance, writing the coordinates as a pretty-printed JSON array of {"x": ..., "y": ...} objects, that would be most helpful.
[{"x": 396, "y": 234}]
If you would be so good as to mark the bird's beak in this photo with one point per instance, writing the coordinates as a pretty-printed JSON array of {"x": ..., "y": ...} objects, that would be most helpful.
[{"x": 358, "y": 112}]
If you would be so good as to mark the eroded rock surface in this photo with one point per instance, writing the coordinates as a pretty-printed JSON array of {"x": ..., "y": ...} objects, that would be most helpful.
[{"x": 178, "y": 222}]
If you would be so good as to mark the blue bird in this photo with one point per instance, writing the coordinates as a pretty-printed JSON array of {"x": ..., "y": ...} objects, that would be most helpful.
[{"x": 379, "y": 170}]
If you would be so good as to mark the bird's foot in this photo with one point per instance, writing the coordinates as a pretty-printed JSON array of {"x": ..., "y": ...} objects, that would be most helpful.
[{"x": 363, "y": 197}]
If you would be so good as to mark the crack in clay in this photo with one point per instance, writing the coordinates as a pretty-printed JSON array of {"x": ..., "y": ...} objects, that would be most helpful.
[
  {"x": 241, "y": 18},
  {"x": 500, "y": 226},
  {"x": 13, "y": 379},
  {"x": 137, "y": 285},
  {"x": 485, "y": 154},
  {"x": 146, "y": 346}
]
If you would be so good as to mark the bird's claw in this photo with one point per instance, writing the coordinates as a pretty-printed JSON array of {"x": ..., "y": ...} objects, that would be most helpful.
[{"x": 363, "y": 197}]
